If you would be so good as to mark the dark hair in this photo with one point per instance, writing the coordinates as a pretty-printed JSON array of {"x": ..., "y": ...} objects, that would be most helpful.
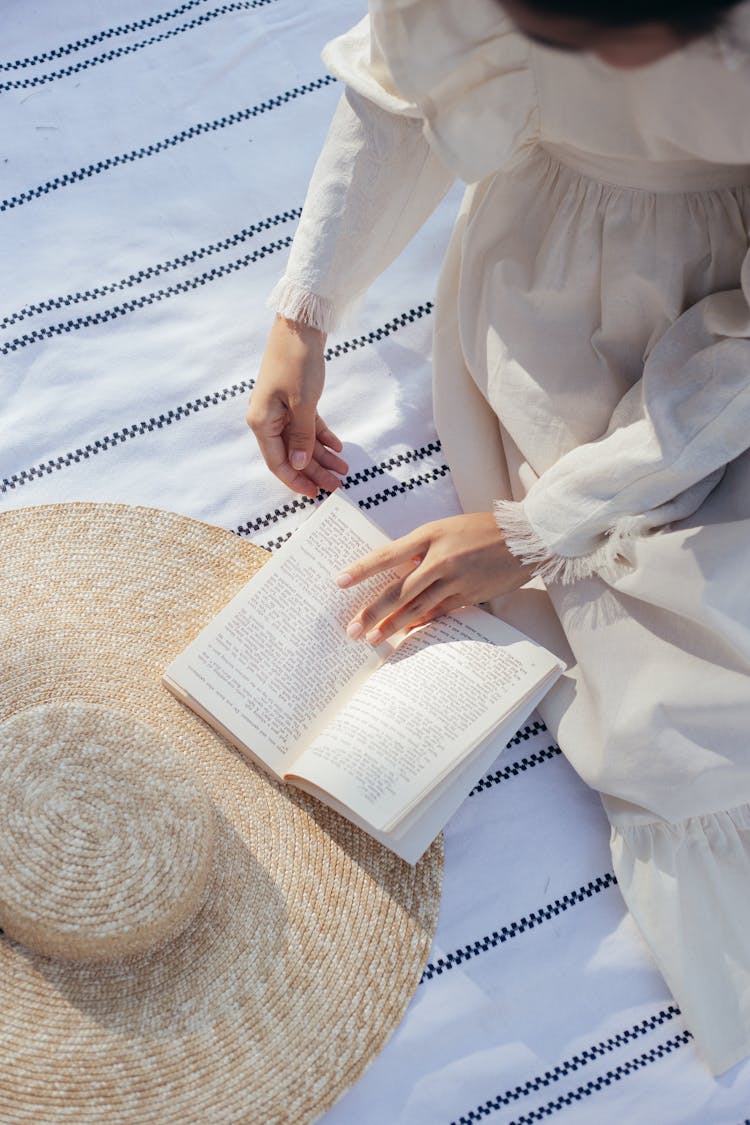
[{"x": 693, "y": 17}]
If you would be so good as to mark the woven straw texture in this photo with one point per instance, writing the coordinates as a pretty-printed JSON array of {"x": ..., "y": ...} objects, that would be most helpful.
[
  {"x": 107, "y": 841},
  {"x": 296, "y": 941}
]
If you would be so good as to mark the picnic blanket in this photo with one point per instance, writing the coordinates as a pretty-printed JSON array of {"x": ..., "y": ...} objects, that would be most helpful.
[{"x": 154, "y": 163}]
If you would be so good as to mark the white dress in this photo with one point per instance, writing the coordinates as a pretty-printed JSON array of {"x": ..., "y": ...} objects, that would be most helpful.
[{"x": 592, "y": 373}]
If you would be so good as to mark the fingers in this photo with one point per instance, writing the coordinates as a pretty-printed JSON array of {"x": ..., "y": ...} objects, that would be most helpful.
[
  {"x": 321, "y": 476},
  {"x": 460, "y": 560},
  {"x": 272, "y": 434},
  {"x": 307, "y": 435},
  {"x": 412, "y": 597},
  {"x": 401, "y": 552},
  {"x": 397, "y": 610},
  {"x": 404, "y": 555},
  {"x": 447, "y": 605},
  {"x": 329, "y": 460},
  {"x": 300, "y": 434},
  {"x": 274, "y": 452},
  {"x": 282, "y": 412},
  {"x": 418, "y": 612},
  {"x": 327, "y": 437},
  {"x": 324, "y": 471}
]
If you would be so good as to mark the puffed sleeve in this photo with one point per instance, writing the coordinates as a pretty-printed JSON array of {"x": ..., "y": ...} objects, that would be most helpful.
[
  {"x": 376, "y": 182},
  {"x": 666, "y": 447}
]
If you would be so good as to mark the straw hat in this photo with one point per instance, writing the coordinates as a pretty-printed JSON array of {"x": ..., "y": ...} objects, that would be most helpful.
[{"x": 185, "y": 940}]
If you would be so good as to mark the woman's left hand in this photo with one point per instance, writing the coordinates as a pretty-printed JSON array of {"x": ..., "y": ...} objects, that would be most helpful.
[{"x": 452, "y": 562}]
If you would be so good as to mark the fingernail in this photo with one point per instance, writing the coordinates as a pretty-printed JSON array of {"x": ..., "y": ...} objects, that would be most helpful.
[
  {"x": 374, "y": 637},
  {"x": 355, "y": 630},
  {"x": 298, "y": 459},
  {"x": 343, "y": 579}
]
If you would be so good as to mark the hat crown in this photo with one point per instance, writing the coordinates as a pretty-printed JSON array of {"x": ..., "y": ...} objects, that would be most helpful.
[{"x": 107, "y": 837}]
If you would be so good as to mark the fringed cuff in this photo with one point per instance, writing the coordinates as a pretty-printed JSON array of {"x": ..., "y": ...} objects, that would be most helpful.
[
  {"x": 296, "y": 303},
  {"x": 523, "y": 541}
]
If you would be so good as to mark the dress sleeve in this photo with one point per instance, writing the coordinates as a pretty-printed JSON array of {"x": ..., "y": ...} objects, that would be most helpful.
[
  {"x": 376, "y": 182},
  {"x": 667, "y": 445}
]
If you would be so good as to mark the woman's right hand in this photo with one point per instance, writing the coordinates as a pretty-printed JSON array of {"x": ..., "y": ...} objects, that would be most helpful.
[{"x": 296, "y": 444}]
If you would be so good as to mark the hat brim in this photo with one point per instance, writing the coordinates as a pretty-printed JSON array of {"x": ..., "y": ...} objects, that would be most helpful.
[{"x": 311, "y": 938}]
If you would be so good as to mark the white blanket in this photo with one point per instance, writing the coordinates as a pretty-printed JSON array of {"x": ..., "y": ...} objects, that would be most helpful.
[{"x": 153, "y": 165}]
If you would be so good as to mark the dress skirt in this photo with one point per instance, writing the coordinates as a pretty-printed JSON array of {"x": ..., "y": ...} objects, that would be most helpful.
[{"x": 653, "y": 712}]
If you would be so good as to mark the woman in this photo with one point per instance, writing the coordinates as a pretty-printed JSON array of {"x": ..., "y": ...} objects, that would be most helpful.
[{"x": 592, "y": 393}]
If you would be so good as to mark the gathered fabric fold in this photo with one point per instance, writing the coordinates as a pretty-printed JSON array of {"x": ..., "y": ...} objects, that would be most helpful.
[
  {"x": 667, "y": 445},
  {"x": 686, "y": 885}
]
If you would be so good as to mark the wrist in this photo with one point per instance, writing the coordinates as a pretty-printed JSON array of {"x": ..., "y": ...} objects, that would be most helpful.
[{"x": 306, "y": 333}]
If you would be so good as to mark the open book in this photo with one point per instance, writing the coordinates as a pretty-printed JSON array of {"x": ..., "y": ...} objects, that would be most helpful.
[{"x": 392, "y": 737}]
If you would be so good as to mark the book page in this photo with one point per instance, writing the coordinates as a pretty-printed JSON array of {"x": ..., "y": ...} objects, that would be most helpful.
[
  {"x": 438, "y": 697},
  {"x": 272, "y": 666},
  {"x": 412, "y": 835}
]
